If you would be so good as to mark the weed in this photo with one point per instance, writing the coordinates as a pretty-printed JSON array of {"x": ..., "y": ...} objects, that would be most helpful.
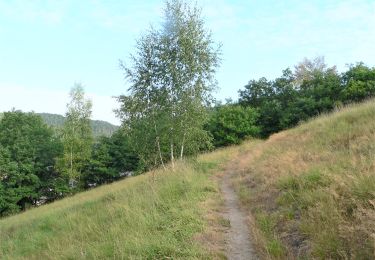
[
  {"x": 224, "y": 222},
  {"x": 275, "y": 248}
]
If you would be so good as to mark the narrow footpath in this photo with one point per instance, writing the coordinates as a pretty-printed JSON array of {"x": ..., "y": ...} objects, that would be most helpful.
[{"x": 238, "y": 239}]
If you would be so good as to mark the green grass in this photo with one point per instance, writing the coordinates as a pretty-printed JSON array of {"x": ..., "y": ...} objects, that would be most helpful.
[
  {"x": 309, "y": 193},
  {"x": 267, "y": 224},
  {"x": 311, "y": 189},
  {"x": 138, "y": 218}
]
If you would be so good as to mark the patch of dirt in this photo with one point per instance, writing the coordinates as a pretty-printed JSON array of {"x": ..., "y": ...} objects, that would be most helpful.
[
  {"x": 297, "y": 243},
  {"x": 239, "y": 244}
]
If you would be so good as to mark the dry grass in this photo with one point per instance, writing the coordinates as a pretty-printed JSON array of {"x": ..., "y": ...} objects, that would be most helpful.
[
  {"x": 213, "y": 238},
  {"x": 138, "y": 218},
  {"x": 311, "y": 190}
]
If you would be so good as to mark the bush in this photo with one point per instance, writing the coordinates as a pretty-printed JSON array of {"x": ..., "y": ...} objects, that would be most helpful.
[{"x": 232, "y": 123}]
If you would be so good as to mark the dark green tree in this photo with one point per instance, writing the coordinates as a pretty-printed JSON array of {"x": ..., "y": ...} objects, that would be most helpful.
[
  {"x": 28, "y": 149},
  {"x": 312, "y": 88},
  {"x": 111, "y": 157},
  {"x": 124, "y": 157},
  {"x": 9, "y": 196},
  {"x": 232, "y": 123},
  {"x": 256, "y": 93},
  {"x": 98, "y": 170},
  {"x": 359, "y": 83}
]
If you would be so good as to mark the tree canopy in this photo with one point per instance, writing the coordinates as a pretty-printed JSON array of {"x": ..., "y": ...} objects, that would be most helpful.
[
  {"x": 77, "y": 136},
  {"x": 28, "y": 150},
  {"x": 172, "y": 77},
  {"x": 311, "y": 89}
]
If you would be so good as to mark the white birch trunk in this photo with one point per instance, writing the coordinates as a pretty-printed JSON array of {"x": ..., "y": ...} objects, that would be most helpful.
[
  {"x": 159, "y": 150},
  {"x": 172, "y": 156},
  {"x": 71, "y": 161},
  {"x": 182, "y": 147},
  {"x": 158, "y": 143}
]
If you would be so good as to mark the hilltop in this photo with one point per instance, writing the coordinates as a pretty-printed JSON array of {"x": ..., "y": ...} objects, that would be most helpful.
[{"x": 99, "y": 127}]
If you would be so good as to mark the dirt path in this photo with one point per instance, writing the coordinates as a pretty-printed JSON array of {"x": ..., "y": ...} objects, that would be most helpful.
[{"x": 238, "y": 238}]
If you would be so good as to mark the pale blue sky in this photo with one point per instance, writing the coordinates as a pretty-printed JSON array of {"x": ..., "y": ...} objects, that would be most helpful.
[{"x": 46, "y": 46}]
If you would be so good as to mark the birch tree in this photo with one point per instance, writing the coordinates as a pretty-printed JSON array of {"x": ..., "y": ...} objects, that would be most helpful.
[
  {"x": 172, "y": 78},
  {"x": 76, "y": 135}
]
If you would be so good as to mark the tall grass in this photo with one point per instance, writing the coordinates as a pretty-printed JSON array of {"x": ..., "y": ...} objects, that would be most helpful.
[
  {"x": 309, "y": 193},
  {"x": 312, "y": 189},
  {"x": 139, "y": 218}
]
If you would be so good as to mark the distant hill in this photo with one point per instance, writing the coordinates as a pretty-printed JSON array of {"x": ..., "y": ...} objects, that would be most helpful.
[{"x": 99, "y": 127}]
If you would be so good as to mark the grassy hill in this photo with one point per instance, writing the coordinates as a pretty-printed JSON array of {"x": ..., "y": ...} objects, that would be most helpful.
[
  {"x": 152, "y": 216},
  {"x": 310, "y": 191},
  {"x": 98, "y": 127}
]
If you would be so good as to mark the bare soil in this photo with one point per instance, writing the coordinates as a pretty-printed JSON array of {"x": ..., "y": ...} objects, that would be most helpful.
[{"x": 238, "y": 238}]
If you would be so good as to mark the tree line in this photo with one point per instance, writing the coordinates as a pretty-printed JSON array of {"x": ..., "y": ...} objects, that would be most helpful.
[
  {"x": 39, "y": 163},
  {"x": 268, "y": 106},
  {"x": 167, "y": 114},
  {"x": 171, "y": 78}
]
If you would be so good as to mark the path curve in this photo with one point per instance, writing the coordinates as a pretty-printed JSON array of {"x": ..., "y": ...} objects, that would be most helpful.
[{"x": 238, "y": 239}]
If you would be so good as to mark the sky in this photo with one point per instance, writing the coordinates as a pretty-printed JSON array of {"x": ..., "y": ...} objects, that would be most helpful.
[{"x": 48, "y": 46}]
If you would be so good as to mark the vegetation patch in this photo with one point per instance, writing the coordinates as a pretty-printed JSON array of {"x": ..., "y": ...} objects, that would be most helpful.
[
  {"x": 267, "y": 224},
  {"x": 143, "y": 217},
  {"x": 311, "y": 189}
]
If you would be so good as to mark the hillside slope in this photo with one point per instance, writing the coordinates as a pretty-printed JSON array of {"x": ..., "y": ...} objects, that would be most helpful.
[
  {"x": 158, "y": 215},
  {"x": 99, "y": 127},
  {"x": 310, "y": 191}
]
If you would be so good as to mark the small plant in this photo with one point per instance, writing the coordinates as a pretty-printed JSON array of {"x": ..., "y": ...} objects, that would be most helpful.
[
  {"x": 275, "y": 248},
  {"x": 224, "y": 222},
  {"x": 266, "y": 224}
]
